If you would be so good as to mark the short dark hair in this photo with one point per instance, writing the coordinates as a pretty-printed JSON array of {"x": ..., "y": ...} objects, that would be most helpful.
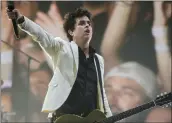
[{"x": 70, "y": 20}]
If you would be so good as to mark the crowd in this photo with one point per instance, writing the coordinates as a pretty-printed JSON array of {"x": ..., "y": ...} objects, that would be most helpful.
[{"x": 133, "y": 37}]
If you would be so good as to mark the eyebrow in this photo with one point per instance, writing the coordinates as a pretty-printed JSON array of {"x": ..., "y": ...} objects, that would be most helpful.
[{"x": 84, "y": 21}]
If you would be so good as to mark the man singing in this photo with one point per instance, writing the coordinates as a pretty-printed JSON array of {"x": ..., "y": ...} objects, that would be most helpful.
[{"x": 77, "y": 85}]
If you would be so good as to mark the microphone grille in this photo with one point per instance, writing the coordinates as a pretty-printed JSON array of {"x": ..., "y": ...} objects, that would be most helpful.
[{"x": 10, "y": 5}]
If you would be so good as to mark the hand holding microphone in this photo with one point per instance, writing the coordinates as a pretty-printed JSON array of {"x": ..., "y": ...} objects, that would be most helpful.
[{"x": 14, "y": 15}]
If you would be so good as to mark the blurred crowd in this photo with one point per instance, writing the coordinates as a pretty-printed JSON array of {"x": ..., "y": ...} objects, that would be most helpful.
[{"x": 133, "y": 37}]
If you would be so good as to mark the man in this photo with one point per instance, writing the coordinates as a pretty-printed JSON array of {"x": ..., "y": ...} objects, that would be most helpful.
[
  {"x": 130, "y": 85},
  {"x": 76, "y": 86}
]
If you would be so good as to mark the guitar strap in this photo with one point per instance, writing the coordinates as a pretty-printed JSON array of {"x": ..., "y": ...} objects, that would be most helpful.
[{"x": 100, "y": 81}]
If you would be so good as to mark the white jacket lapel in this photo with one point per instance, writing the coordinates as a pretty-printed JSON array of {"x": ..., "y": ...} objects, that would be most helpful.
[{"x": 74, "y": 48}]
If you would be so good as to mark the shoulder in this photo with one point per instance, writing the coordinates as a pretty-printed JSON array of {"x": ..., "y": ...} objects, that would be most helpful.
[{"x": 61, "y": 42}]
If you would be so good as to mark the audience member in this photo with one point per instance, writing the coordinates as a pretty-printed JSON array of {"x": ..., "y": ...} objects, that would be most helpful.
[
  {"x": 136, "y": 41},
  {"x": 128, "y": 86},
  {"x": 136, "y": 48},
  {"x": 121, "y": 18},
  {"x": 160, "y": 33}
]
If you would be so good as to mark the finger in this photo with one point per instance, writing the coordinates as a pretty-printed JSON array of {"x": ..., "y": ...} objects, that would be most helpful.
[
  {"x": 16, "y": 12},
  {"x": 11, "y": 15},
  {"x": 54, "y": 13},
  {"x": 44, "y": 17}
]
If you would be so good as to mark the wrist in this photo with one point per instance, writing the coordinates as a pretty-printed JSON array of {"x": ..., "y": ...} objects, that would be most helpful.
[
  {"x": 20, "y": 19},
  {"x": 159, "y": 32},
  {"x": 160, "y": 21},
  {"x": 161, "y": 47}
]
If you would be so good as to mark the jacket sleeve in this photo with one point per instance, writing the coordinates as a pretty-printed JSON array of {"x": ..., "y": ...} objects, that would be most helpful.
[{"x": 51, "y": 45}]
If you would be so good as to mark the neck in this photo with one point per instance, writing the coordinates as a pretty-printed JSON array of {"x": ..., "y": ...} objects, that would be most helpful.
[
  {"x": 84, "y": 47},
  {"x": 85, "y": 50}
]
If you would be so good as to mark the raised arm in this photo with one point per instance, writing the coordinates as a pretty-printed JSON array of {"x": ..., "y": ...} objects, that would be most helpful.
[
  {"x": 115, "y": 33},
  {"x": 160, "y": 33},
  {"x": 49, "y": 44},
  {"x": 52, "y": 21},
  {"x": 38, "y": 33}
]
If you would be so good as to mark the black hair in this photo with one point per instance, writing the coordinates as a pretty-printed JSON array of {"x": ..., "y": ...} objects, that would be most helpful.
[{"x": 70, "y": 20}]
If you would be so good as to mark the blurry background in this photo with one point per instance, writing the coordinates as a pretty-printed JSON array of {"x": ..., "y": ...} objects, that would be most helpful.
[{"x": 26, "y": 73}]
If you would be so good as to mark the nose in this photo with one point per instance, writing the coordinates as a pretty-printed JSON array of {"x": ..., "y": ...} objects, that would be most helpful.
[
  {"x": 116, "y": 96},
  {"x": 87, "y": 25}
]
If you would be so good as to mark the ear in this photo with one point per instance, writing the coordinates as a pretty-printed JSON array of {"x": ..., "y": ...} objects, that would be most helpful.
[{"x": 70, "y": 32}]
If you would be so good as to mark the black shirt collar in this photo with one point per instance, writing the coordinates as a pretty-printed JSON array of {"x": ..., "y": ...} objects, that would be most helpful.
[{"x": 91, "y": 50}]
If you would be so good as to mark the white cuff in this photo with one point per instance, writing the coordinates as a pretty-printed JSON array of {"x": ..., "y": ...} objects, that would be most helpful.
[
  {"x": 159, "y": 31},
  {"x": 161, "y": 47}
]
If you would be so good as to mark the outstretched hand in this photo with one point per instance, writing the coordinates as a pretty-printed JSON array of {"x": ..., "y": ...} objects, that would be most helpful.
[{"x": 52, "y": 22}]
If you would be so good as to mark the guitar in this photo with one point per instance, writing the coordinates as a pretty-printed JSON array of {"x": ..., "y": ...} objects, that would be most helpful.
[{"x": 98, "y": 117}]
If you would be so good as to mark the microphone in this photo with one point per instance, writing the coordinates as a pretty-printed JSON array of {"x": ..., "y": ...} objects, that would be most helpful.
[{"x": 10, "y": 5}]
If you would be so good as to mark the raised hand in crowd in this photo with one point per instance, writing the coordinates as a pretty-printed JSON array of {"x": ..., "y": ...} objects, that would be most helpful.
[
  {"x": 52, "y": 21},
  {"x": 115, "y": 33},
  {"x": 117, "y": 75},
  {"x": 162, "y": 12},
  {"x": 15, "y": 14}
]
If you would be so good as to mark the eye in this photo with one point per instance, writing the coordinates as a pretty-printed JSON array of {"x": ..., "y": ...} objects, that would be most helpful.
[
  {"x": 81, "y": 22},
  {"x": 89, "y": 23}
]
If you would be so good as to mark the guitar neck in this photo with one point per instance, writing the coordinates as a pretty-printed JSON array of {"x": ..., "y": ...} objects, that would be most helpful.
[{"x": 128, "y": 113}]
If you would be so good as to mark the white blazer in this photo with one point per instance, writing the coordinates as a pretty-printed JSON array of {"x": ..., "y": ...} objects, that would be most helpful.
[{"x": 63, "y": 57}]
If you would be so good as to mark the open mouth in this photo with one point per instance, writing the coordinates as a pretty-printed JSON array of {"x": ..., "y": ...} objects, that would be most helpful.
[{"x": 87, "y": 31}]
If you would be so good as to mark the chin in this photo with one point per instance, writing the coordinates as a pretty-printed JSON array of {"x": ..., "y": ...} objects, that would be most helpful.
[{"x": 87, "y": 40}]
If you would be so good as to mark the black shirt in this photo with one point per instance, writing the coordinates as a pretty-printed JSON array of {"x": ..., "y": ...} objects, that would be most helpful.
[{"x": 83, "y": 96}]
